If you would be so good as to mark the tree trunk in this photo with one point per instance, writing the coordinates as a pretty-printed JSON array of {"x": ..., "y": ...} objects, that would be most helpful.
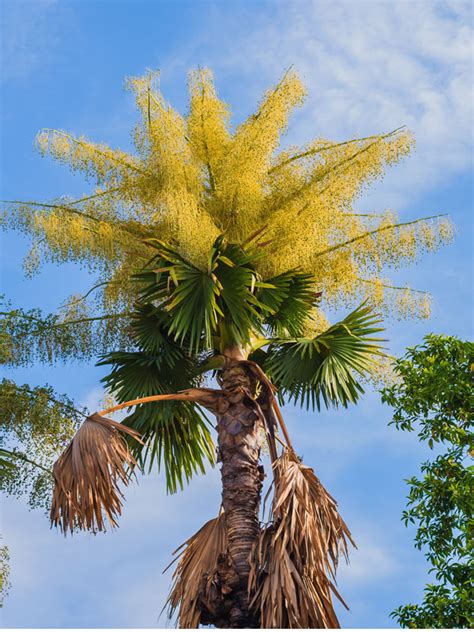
[{"x": 239, "y": 443}]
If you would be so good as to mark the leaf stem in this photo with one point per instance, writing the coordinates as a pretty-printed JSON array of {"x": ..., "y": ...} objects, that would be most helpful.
[
  {"x": 393, "y": 287},
  {"x": 94, "y": 148},
  {"x": 22, "y": 457},
  {"x": 375, "y": 231},
  {"x": 317, "y": 150},
  {"x": 67, "y": 209},
  {"x": 68, "y": 322},
  {"x": 281, "y": 421},
  {"x": 192, "y": 394}
]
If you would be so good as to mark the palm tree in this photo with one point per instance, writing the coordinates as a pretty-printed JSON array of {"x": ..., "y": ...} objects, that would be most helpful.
[{"x": 215, "y": 256}]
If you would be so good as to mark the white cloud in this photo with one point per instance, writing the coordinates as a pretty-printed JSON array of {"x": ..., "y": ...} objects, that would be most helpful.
[
  {"x": 93, "y": 399},
  {"x": 370, "y": 562},
  {"x": 369, "y": 66}
]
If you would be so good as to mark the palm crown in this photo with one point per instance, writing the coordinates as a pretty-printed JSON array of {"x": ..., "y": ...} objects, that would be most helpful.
[{"x": 192, "y": 181}]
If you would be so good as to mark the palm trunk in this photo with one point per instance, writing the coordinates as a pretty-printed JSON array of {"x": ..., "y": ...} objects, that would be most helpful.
[
  {"x": 223, "y": 597},
  {"x": 239, "y": 444}
]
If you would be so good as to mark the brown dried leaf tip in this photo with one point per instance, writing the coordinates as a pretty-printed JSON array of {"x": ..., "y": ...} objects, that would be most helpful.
[
  {"x": 295, "y": 559},
  {"x": 88, "y": 473},
  {"x": 194, "y": 579}
]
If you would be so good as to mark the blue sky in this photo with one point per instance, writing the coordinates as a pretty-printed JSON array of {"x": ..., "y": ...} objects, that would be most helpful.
[{"x": 369, "y": 67}]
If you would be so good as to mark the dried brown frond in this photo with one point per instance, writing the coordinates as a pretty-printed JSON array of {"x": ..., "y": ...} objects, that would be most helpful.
[
  {"x": 295, "y": 559},
  {"x": 195, "y": 574},
  {"x": 88, "y": 473}
]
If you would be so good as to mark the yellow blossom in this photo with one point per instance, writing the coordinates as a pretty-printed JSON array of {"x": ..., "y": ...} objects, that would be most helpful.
[{"x": 193, "y": 178}]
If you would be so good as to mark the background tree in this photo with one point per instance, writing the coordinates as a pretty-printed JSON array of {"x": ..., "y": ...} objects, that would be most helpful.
[
  {"x": 215, "y": 257},
  {"x": 434, "y": 397},
  {"x": 4, "y": 573},
  {"x": 36, "y": 425}
]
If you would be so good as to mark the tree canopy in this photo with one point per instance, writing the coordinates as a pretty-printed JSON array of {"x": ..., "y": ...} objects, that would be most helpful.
[
  {"x": 36, "y": 424},
  {"x": 215, "y": 255},
  {"x": 433, "y": 398},
  {"x": 206, "y": 236},
  {"x": 192, "y": 178}
]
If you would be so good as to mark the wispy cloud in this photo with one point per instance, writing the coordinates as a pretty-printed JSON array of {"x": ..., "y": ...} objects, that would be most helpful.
[
  {"x": 370, "y": 67},
  {"x": 113, "y": 579},
  {"x": 369, "y": 563}
]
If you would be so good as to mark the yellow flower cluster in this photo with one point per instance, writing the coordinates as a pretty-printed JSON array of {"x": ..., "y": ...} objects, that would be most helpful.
[
  {"x": 382, "y": 372},
  {"x": 193, "y": 179},
  {"x": 97, "y": 161},
  {"x": 403, "y": 302},
  {"x": 61, "y": 234},
  {"x": 241, "y": 176},
  {"x": 317, "y": 323},
  {"x": 207, "y": 123}
]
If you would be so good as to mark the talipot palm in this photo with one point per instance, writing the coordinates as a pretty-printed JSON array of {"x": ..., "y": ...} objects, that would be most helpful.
[{"x": 216, "y": 256}]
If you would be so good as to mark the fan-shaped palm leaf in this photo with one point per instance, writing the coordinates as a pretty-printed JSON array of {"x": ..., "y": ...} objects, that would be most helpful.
[
  {"x": 327, "y": 366},
  {"x": 176, "y": 434},
  {"x": 200, "y": 304},
  {"x": 289, "y": 298},
  {"x": 187, "y": 294}
]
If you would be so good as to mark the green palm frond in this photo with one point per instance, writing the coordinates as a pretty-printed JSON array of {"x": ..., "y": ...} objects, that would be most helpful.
[
  {"x": 150, "y": 330},
  {"x": 203, "y": 304},
  {"x": 187, "y": 294},
  {"x": 177, "y": 440},
  {"x": 239, "y": 281},
  {"x": 176, "y": 434},
  {"x": 158, "y": 363},
  {"x": 328, "y": 366},
  {"x": 289, "y": 297}
]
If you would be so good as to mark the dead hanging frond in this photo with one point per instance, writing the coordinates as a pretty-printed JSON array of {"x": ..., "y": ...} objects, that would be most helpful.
[
  {"x": 194, "y": 577},
  {"x": 295, "y": 559},
  {"x": 88, "y": 473}
]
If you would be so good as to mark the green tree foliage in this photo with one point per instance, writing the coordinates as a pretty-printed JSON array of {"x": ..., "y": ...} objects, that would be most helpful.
[
  {"x": 4, "y": 573},
  {"x": 434, "y": 398},
  {"x": 28, "y": 337},
  {"x": 36, "y": 425}
]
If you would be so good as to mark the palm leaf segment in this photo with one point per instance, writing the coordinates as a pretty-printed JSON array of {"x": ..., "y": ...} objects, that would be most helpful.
[
  {"x": 176, "y": 434},
  {"x": 326, "y": 366}
]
